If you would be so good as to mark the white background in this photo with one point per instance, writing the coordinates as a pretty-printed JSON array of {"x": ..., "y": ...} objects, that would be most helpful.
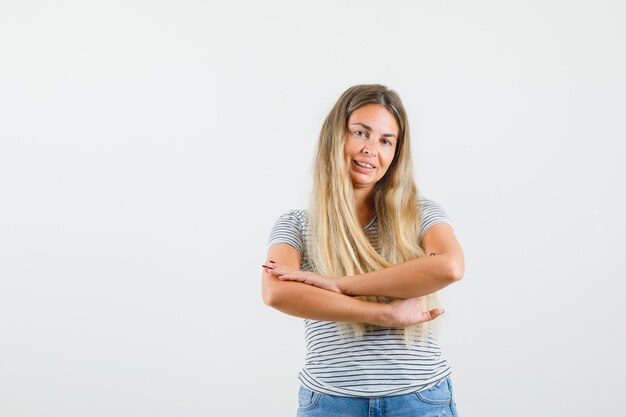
[{"x": 146, "y": 149}]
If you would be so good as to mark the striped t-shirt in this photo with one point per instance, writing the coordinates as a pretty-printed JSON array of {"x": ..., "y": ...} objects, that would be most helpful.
[{"x": 379, "y": 363}]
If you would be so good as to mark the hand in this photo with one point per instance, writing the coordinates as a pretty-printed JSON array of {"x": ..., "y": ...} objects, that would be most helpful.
[
  {"x": 404, "y": 313},
  {"x": 285, "y": 273}
]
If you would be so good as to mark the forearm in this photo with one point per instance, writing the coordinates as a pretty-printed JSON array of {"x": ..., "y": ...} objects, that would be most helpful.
[
  {"x": 413, "y": 278},
  {"x": 306, "y": 301}
]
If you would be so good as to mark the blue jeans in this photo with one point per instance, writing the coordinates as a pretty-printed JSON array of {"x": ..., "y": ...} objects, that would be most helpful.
[{"x": 436, "y": 401}]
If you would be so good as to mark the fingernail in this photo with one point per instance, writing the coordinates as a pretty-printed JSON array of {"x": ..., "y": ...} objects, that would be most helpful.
[
  {"x": 268, "y": 267},
  {"x": 273, "y": 262}
]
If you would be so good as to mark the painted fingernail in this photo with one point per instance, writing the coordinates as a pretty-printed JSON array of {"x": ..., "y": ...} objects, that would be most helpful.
[
  {"x": 273, "y": 262},
  {"x": 268, "y": 267}
]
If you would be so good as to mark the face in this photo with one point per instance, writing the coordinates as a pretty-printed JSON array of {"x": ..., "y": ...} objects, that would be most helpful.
[{"x": 370, "y": 144}]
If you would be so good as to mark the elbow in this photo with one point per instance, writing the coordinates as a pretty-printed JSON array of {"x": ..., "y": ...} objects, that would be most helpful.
[
  {"x": 456, "y": 270},
  {"x": 271, "y": 295}
]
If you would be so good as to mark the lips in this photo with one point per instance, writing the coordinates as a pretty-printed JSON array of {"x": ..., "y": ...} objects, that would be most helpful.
[{"x": 362, "y": 164}]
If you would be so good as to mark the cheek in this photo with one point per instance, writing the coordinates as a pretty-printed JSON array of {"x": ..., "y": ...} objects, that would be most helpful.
[
  {"x": 388, "y": 156},
  {"x": 348, "y": 150}
]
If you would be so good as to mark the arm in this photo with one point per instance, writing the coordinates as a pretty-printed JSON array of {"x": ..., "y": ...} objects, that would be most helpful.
[
  {"x": 416, "y": 277},
  {"x": 301, "y": 300},
  {"x": 413, "y": 278}
]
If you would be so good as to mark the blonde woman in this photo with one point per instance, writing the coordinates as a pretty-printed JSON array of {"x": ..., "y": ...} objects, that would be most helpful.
[{"x": 362, "y": 266}]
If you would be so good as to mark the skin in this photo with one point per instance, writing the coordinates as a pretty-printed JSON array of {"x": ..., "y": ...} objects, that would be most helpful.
[{"x": 371, "y": 137}]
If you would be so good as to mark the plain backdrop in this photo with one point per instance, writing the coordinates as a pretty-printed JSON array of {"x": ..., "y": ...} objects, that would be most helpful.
[{"x": 147, "y": 147}]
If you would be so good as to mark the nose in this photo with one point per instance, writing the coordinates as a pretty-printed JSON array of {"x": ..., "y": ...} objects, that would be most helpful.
[{"x": 369, "y": 150}]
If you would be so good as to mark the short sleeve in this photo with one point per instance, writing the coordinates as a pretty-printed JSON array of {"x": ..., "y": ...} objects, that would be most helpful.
[
  {"x": 288, "y": 229},
  {"x": 431, "y": 213}
]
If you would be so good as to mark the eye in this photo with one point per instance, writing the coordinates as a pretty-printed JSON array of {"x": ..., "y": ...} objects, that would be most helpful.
[
  {"x": 386, "y": 142},
  {"x": 360, "y": 133}
]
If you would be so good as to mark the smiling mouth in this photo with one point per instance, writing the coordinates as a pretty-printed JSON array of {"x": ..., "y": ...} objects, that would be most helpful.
[{"x": 364, "y": 164}]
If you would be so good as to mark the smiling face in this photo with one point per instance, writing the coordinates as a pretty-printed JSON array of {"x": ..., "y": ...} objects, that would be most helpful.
[{"x": 370, "y": 144}]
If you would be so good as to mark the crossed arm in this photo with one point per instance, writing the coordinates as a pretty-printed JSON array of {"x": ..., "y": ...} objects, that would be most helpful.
[{"x": 309, "y": 295}]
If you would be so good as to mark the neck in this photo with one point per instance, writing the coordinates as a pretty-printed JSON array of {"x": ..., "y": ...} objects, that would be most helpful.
[{"x": 364, "y": 204}]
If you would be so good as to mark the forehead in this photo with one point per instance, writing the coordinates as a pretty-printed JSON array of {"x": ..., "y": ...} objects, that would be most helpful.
[{"x": 375, "y": 116}]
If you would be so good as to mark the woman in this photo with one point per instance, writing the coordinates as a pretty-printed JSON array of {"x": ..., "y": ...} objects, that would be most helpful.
[{"x": 355, "y": 267}]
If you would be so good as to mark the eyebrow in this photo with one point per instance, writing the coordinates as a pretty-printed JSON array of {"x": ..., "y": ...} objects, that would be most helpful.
[{"x": 369, "y": 129}]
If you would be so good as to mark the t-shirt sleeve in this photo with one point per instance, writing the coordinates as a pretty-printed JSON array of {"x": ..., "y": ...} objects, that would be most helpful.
[
  {"x": 431, "y": 213},
  {"x": 288, "y": 229}
]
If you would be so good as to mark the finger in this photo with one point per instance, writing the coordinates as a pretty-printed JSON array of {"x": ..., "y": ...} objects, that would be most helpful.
[
  {"x": 434, "y": 313},
  {"x": 282, "y": 271},
  {"x": 287, "y": 278},
  {"x": 290, "y": 277},
  {"x": 274, "y": 264},
  {"x": 281, "y": 267}
]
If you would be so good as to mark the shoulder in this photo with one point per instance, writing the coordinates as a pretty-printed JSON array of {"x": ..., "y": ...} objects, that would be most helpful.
[
  {"x": 289, "y": 228},
  {"x": 431, "y": 213},
  {"x": 426, "y": 206},
  {"x": 295, "y": 217}
]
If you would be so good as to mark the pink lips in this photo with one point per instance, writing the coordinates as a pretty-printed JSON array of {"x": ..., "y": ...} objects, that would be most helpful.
[{"x": 363, "y": 169}]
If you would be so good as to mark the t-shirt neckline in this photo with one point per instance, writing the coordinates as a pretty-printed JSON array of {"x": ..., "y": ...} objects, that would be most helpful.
[{"x": 370, "y": 223}]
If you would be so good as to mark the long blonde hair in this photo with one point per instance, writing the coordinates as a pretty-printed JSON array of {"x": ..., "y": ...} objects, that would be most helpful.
[{"x": 337, "y": 244}]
